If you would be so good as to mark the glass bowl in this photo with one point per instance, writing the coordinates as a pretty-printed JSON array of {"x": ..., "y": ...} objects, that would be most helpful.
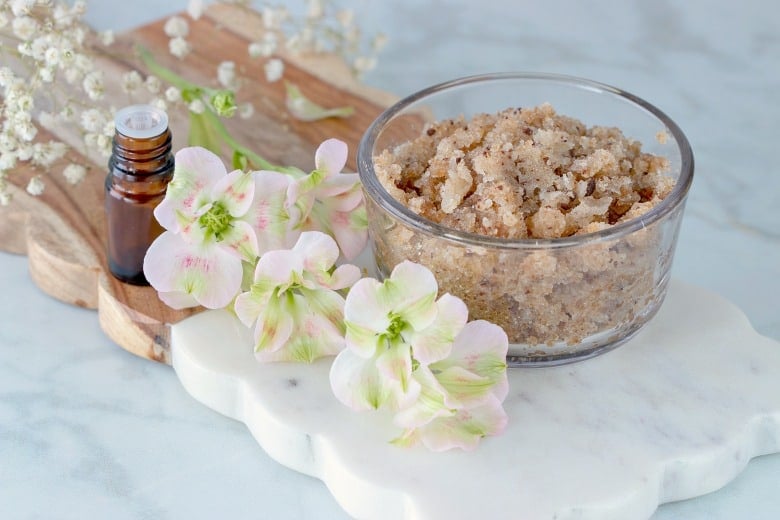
[{"x": 560, "y": 299}]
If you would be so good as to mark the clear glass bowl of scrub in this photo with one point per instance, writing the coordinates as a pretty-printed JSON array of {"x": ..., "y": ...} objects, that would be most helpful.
[{"x": 560, "y": 299}]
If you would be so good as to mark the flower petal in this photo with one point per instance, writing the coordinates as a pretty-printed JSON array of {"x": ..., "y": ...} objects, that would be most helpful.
[
  {"x": 463, "y": 387},
  {"x": 274, "y": 224},
  {"x": 395, "y": 364},
  {"x": 342, "y": 190},
  {"x": 413, "y": 291},
  {"x": 275, "y": 325},
  {"x": 363, "y": 341},
  {"x": 481, "y": 348},
  {"x": 368, "y": 305},
  {"x": 430, "y": 403},
  {"x": 331, "y": 156},
  {"x": 241, "y": 240},
  {"x": 344, "y": 276},
  {"x": 357, "y": 383},
  {"x": 318, "y": 250},
  {"x": 197, "y": 170},
  {"x": 235, "y": 191},
  {"x": 465, "y": 428},
  {"x": 434, "y": 343},
  {"x": 208, "y": 274},
  {"x": 316, "y": 336},
  {"x": 328, "y": 304},
  {"x": 350, "y": 233},
  {"x": 249, "y": 305},
  {"x": 178, "y": 300},
  {"x": 279, "y": 268}
]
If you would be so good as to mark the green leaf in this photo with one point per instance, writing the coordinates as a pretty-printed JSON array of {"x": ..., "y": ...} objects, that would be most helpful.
[
  {"x": 240, "y": 161},
  {"x": 304, "y": 109},
  {"x": 203, "y": 134}
]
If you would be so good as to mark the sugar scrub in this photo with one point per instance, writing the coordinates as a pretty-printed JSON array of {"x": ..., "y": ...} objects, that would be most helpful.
[{"x": 530, "y": 175}]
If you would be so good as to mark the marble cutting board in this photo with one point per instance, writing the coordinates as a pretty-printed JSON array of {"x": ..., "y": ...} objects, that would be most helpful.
[{"x": 676, "y": 412}]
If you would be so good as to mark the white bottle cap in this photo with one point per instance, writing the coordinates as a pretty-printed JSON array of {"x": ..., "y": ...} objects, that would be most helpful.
[{"x": 141, "y": 121}]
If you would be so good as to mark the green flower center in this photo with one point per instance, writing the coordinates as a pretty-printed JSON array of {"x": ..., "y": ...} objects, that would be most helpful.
[
  {"x": 397, "y": 324},
  {"x": 216, "y": 221}
]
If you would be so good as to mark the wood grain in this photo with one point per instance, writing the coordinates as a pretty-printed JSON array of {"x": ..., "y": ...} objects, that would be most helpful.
[{"x": 63, "y": 231}]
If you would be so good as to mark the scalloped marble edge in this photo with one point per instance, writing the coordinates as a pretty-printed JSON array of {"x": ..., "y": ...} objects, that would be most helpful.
[{"x": 608, "y": 438}]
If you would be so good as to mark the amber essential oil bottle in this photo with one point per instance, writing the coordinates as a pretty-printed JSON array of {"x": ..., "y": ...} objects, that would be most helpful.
[{"x": 139, "y": 170}]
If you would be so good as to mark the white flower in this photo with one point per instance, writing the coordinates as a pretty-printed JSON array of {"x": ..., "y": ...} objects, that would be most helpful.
[
  {"x": 131, "y": 81},
  {"x": 197, "y": 106},
  {"x": 24, "y": 27},
  {"x": 273, "y": 70},
  {"x": 52, "y": 56},
  {"x": 179, "y": 47},
  {"x": 45, "y": 154},
  {"x": 226, "y": 74},
  {"x": 79, "y": 7},
  {"x": 107, "y": 37},
  {"x": 46, "y": 74},
  {"x": 67, "y": 113},
  {"x": 103, "y": 144},
  {"x": 153, "y": 84},
  {"x": 7, "y": 160},
  {"x": 264, "y": 48},
  {"x": 293, "y": 301},
  {"x": 8, "y": 142},
  {"x": 92, "y": 120},
  {"x": 22, "y": 7},
  {"x": 78, "y": 35},
  {"x": 176, "y": 27},
  {"x": 36, "y": 186},
  {"x": 24, "y": 102},
  {"x": 159, "y": 103},
  {"x": 364, "y": 63},
  {"x": 74, "y": 173},
  {"x": 90, "y": 140},
  {"x": 26, "y": 131},
  {"x": 273, "y": 17},
  {"x": 207, "y": 214},
  {"x": 24, "y": 152},
  {"x": 172, "y": 94},
  {"x": 195, "y": 9},
  {"x": 3, "y": 19},
  {"x": 93, "y": 85}
]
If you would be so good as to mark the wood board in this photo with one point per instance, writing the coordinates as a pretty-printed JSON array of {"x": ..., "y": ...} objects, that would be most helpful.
[{"x": 63, "y": 231}]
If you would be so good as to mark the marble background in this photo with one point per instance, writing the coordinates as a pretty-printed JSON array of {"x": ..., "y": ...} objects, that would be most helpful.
[{"x": 88, "y": 430}]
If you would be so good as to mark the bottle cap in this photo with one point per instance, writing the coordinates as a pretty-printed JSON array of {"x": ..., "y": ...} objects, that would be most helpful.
[{"x": 141, "y": 121}]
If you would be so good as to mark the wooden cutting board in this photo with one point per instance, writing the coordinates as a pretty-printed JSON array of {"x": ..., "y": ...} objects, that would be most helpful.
[{"x": 63, "y": 231}]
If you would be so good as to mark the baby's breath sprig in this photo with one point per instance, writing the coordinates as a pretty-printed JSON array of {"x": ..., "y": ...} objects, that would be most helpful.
[{"x": 48, "y": 75}]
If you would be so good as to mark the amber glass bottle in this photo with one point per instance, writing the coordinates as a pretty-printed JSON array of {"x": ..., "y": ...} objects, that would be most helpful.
[{"x": 139, "y": 170}]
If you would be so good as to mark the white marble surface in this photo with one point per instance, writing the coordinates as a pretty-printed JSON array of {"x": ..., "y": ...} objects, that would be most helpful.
[
  {"x": 86, "y": 430},
  {"x": 604, "y": 439}
]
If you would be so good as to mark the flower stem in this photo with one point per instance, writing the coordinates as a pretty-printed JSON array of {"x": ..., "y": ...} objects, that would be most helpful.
[{"x": 211, "y": 118}]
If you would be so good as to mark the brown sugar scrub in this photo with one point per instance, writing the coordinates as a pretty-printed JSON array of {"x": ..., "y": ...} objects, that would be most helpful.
[
  {"x": 523, "y": 173},
  {"x": 532, "y": 175}
]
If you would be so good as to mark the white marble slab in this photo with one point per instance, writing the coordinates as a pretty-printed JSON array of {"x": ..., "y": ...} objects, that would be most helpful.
[{"x": 675, "y": 413}]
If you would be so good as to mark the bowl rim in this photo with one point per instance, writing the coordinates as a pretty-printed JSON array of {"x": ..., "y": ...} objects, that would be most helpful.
[{"x": 374, "y": 189}]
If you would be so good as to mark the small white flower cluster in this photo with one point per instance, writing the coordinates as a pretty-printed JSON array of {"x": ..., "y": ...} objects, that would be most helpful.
[
  {"x": 43, "y": 44},
  {"x": 177, "y": 30},
  {"x": 322, "y": 28}
]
